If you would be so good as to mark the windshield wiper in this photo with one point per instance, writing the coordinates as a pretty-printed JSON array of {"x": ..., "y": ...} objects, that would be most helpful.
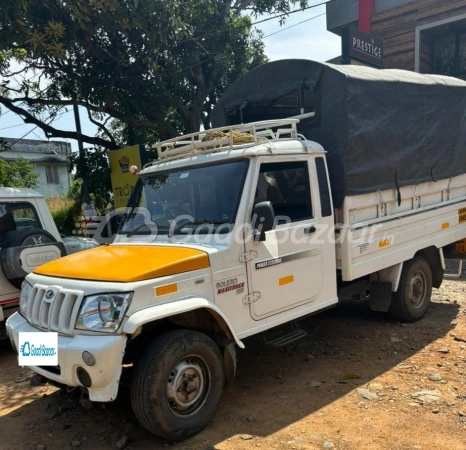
[{"x": 134, "y": 230}]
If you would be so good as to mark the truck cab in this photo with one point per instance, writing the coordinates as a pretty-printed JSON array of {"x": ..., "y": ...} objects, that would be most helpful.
[
  {"x": 253, "y": 214},
  {"x": 216, "y": 247}
]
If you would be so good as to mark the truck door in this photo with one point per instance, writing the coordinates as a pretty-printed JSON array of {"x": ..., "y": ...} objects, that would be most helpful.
[{"x": 287, "y": 269}]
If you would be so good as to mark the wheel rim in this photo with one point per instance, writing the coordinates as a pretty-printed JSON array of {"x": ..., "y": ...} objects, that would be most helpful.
[
  {"x": 188, "y": 386},
  {"x": 417, "y": 291}
]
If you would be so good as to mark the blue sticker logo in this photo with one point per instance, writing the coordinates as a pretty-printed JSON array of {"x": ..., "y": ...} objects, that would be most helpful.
[
  {"x": 38, "y": 349},
  {"x": 25, "y": 349}
]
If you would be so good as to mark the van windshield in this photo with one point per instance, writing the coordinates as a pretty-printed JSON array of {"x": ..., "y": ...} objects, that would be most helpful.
[{"x": 204, "y": 198}]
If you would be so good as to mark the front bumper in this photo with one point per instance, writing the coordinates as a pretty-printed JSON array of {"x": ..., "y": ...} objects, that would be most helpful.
[{"x": 107, "y": 350}]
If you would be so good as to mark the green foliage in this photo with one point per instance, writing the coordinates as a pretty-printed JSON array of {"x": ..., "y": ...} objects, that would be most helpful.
[
  {"x": 74, "y": 192},
  {"x": 155, "y": 67},
  {"x": 65, "y": 213},
  {"x": 4, "y": 147},
  {"x": 96, "y": 170},
  {"x": 18, "y": 174}
]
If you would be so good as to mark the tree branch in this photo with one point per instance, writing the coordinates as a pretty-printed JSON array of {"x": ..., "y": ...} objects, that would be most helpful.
[
  {"x": 51, "y": 131},
  {"x": 135, "y": 123},
  {"x": 240, "y": 6},
  {"x": 19, "y": 72},
  {"x": 102, "y": 127}
]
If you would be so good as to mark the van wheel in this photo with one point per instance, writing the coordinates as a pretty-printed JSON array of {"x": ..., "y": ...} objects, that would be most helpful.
[
  {"x": 178, "y": 384},
  {"x": 412, "y": 299}
]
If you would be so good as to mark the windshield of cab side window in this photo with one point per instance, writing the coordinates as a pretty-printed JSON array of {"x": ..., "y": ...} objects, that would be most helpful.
[{"x": 204, "y": 197}]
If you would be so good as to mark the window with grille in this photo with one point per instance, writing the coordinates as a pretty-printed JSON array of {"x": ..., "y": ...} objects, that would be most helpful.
[{"x": 51, "y": 173}]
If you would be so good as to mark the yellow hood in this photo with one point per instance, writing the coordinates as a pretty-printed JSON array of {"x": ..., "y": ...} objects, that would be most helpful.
[{"x": 126, "y": 263}]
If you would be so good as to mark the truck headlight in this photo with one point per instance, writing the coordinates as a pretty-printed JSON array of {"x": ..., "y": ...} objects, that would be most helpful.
[
  {"x": 103, "y": 312},
  {"x": 26, "y": 289}
]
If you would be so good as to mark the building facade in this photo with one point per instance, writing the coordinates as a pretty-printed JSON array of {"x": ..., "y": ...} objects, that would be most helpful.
[
  {"x": 50, "y": 160},
  {"x": 426, "y": 36}
]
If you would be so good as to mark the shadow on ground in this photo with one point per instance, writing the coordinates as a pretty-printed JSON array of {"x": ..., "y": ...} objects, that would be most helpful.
[{"x": 345, "y": 348}]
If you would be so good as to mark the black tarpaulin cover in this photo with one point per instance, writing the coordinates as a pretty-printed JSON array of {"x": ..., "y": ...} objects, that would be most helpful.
[{"x": 381, "y": 128}]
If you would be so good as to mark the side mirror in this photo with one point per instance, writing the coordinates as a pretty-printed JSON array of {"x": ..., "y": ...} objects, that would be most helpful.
[{"x": 263, "y": 220}]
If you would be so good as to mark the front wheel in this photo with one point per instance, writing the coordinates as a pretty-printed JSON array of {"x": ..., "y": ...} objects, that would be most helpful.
[
  {"x": 412, "y": 299},
  {"x": 178, "y": 384}
]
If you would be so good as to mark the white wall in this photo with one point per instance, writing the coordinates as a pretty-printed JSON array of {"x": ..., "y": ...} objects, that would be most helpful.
[
  {"x": 42, "y": 154},
  {"x": 53, "y": 190}
]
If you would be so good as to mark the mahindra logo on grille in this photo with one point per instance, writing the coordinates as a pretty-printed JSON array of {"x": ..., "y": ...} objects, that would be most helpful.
[{"x": 49, "y": 294}]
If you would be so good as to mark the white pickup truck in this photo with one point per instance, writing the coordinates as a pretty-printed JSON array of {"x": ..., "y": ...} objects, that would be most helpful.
[
  {"x": 28, "y": 238},
  {"x": 230, "y": 234},
  {"x": 176, "y": 303}
]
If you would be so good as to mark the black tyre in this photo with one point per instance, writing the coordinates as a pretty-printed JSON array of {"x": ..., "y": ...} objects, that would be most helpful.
[
  {"x": 26, "y": 237},
  {"x": 412, "y": 299},
  {"x": 177, "y": 384}
]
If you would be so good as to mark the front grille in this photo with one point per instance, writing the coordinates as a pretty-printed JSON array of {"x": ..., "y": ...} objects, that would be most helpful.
[{"x": 57, "y": 313}]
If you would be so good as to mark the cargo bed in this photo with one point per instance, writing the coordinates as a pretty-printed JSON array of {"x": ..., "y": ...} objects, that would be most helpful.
[{"x": 429, "y": 214}]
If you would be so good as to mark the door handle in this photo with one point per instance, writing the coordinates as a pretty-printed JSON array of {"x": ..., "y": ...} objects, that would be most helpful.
[{"x": 310, "y": 230}]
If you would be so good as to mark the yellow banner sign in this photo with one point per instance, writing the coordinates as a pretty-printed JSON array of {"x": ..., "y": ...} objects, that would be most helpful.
[{"x": 122, "y": 179}]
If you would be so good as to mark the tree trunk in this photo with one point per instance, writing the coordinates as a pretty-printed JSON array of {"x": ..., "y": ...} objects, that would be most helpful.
[
  {"x": 206, "y": 122},
  {"x": 131, "y": 136},
  {"x": 192, "y": 122}
]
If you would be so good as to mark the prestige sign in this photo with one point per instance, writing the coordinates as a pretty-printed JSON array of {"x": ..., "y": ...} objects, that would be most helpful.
[{"x": 362, "y": 47}]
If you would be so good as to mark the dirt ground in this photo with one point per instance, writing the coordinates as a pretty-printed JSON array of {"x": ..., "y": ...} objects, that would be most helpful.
[{"x": 358, "y": 381}]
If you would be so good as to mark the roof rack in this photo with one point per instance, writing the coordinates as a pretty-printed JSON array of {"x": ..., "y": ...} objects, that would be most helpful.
[{"x": 203, "y": 141}]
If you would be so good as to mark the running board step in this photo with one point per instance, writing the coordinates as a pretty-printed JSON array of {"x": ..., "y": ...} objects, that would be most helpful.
[{"x": 284, "y": 339}]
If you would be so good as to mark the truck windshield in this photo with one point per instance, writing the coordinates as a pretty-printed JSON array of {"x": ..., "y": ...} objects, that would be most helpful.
[{"x": 203, "y": 198}]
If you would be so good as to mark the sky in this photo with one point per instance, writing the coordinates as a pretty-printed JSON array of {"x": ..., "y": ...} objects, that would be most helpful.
[{"x": 309, "y": 40}]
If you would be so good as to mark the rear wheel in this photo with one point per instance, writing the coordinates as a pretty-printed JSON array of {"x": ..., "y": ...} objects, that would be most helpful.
[
  {"x": 412, "y": 299},
  {"x": 178, "y": 384}
]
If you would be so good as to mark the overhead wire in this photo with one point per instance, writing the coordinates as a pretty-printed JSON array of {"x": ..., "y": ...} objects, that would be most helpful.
[
  {"x": 303, "y": 21},
  {"x": 50, "y": 119},
  {"x": 13, "y": 126},
  {"x": 267, "y": 19},
  {"x": 283, "y": 29}
]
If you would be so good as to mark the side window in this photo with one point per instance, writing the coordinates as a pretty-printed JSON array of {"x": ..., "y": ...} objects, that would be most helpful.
[
  {"x": 286, "y": 186},
  {"x": 15, "y": 216}
]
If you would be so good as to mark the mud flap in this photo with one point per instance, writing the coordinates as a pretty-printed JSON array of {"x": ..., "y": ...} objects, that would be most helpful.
[
  {"x": 229, "y": 359},
  {"x": 380, "y": 296}
]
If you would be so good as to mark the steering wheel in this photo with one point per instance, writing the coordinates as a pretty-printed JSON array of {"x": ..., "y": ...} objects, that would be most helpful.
[{"x": 172, "y": 212}]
